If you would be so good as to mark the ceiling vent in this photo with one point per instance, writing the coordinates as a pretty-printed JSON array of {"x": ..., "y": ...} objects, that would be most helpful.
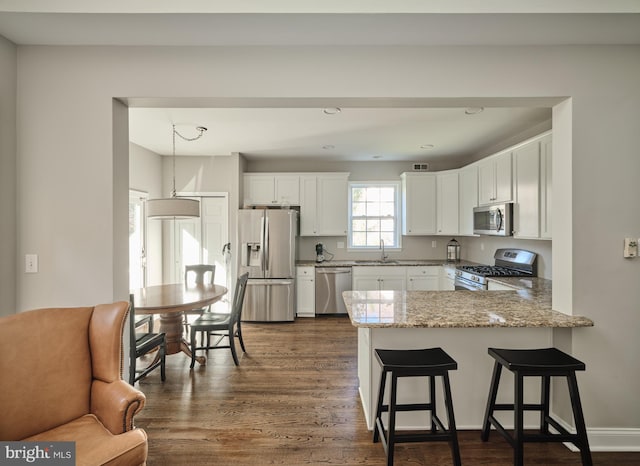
[{"x": 420, "y": 167}]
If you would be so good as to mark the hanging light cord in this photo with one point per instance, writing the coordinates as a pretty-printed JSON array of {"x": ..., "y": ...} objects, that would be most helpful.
[{"x": 201, "y": 130}]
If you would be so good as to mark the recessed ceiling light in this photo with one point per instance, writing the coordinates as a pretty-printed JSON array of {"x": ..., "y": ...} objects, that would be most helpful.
[
  {"x": 328, "y": 147},
  {"x": 376, "y": 157},
  {"x": 426, "y": 146},
  {"x": 331, "y": 110},
  {"x": 474, "y": 110}
]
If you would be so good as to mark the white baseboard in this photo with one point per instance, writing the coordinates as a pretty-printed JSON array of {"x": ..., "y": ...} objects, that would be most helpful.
[{"x": 608, "y": 438}]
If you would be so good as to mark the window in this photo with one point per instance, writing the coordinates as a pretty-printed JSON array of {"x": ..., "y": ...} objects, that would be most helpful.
[{"x": 374, "y": 215}]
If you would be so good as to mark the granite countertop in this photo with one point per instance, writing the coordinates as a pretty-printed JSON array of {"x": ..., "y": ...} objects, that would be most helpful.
[
  {"x": 374, "y": 262},
  {"x": 528, "y": 306}
]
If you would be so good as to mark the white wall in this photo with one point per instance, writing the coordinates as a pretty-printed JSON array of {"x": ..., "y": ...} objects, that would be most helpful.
[
  {"x": 64, "y": 142},
  {"x": 8, "y": 270}
]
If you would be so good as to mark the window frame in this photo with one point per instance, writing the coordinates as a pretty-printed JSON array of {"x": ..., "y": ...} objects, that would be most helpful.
[{"x": 398, "y": 215}]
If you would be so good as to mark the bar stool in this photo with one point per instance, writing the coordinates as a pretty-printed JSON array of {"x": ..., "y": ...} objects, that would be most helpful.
[
  {"x": 545, "y": 363},
  {"x": 432, "y": 363}
]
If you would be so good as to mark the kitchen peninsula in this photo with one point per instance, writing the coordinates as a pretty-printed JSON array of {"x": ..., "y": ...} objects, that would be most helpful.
[{"x": 464, "y": 324}]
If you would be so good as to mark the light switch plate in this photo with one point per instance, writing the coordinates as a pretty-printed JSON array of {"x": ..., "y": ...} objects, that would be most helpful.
[{"x": 31, "y": 263}]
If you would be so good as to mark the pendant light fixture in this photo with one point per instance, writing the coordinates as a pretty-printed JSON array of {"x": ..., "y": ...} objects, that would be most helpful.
[{"x": 175, "y": 207}]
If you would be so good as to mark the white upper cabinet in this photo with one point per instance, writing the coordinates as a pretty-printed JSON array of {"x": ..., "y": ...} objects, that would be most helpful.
[
  {"x": 447, "y": 202},
  {"x": 271, "y": 189},
  {"x": 532, "y": 189},
  {"x": 418, "y": 203},
  {"x": 468, "y": 198},
  {"x": 494, "y": 179},
  {"x": 324, "y": 204}
]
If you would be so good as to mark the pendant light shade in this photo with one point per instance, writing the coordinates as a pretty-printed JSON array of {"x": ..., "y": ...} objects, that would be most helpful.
[{"x": 175, "y": 207}]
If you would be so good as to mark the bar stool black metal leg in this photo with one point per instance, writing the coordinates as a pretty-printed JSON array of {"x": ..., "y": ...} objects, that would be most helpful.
[
  {"x": 391, "y": 434},
  {"x": 432, "y": 401},
  {"x": 581, "y": 428},
  {"x": 544, "y": 401},
  {"x": 493, "y": 393},
  {"x": 518, "y": 427},
  {"x": 377, "y": 422},
  {"x": 448, "y": 402}
]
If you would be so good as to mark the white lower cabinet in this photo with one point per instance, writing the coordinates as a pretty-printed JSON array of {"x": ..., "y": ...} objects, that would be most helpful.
[
  {"x": 423, "y": 278},
  {"x": 448, "y": 277},
  {"x": 374, "y": 278},
  {"x": 305, "y": 291},
  {"x": 495, "y": 286}
]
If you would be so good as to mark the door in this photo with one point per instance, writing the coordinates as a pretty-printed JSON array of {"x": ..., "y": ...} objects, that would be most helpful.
[
  {"x": 201, "y": 240},
  {"x": 250, "y": 239},
  {"x": 137, "y": 240},
  {"x": 269, "y": 300},
  {"x": 279, "y": 243}
]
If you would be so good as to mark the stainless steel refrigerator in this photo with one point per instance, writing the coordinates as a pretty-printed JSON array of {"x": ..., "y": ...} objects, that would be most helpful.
[{"x": 267, "y": 239}]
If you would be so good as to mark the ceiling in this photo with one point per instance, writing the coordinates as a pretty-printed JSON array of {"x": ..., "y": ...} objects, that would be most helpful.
[
  {"x": 354, "y": 134},
  {"x": 357, "y": 132}
]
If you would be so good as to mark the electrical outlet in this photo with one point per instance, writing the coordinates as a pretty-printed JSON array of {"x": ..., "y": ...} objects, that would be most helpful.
[
  {"x": 482, "y": 246},
  {"x": 630, "y": 247},
  {"x": 31, "y": 263},
  {"x": 340, "y": 245},
  {"x": 434, "y": 244}
]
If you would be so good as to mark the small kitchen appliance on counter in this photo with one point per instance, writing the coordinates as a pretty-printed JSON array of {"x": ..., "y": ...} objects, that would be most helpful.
[
  {"x": 509, "y": 263},
  {"x": 319, "y": 252}
]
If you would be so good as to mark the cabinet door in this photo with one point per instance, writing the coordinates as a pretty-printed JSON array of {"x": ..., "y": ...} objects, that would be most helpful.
[
  {"x": 366, "y": 283},
  {"x": 258, "y": 189},
  {"x": 423, "y": 283},
  {"x": 526, "y": 209},
  {"x": 418, "y": 204},
  {"x": 503, "y": 178},
  {"x": 447, "y": 201},
  {"x": 468, "y": 184},
  {"x": 393, "y": 283},
  {"x": 423, "y": 278},
  {"x": 486, "y": 182},
  {"x": 332, "y": 205},
  {"x": 287, "y": 189},
  {"x": 545, "y": 187},
  {"x": 308, "y": 225},
  {"x": 306, "y": 296}
]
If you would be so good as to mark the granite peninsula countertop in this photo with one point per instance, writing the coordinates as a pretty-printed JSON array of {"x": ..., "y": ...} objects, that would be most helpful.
[{"x": 528, "y": 306}]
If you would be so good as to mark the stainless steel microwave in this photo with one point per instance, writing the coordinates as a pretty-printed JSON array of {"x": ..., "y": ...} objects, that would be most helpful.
[{"x": 495, "y": 220}]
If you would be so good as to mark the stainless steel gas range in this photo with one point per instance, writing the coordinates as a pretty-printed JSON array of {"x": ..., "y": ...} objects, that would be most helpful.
[{"x": 508, "y": 263}]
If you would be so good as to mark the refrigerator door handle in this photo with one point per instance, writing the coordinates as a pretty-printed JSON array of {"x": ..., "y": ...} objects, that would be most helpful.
[
  {"x": 262, "y": 251},
  {"x": 266, "y": 242},
  {"x": 270, "y": 281}
]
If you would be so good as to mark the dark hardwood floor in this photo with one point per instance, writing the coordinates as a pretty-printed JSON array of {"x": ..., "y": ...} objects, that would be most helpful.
[{"x": 294, "y": 401}]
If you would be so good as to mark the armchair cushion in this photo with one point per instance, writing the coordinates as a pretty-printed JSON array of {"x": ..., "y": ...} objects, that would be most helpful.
[{"x": 62, "y": 380}]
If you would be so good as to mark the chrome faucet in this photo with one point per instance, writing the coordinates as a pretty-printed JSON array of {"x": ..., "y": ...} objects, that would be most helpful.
[{"x": 384, "y": 257}]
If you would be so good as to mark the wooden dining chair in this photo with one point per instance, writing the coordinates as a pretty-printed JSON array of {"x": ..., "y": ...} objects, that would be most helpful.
[
  {"x": 198, "y": 274},
  {"x": 219, "y": 325},
  {"x": 142, "y": 343}
]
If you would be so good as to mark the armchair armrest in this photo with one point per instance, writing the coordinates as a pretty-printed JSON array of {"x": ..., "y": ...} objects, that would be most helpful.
[{"x": 115, "y": 404}]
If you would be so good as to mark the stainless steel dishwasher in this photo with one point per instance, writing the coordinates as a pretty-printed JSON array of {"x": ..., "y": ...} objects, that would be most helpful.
[{"x": 330, "y": 283}]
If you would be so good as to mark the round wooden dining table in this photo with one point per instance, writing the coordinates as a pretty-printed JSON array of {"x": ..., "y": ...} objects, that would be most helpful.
[{"x": 170, "y": 302}]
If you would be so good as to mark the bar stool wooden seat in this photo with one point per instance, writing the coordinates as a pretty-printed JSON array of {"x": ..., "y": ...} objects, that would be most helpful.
[
  {"x": 544, "y": 363},
  {"x": 432, "y": 363}
]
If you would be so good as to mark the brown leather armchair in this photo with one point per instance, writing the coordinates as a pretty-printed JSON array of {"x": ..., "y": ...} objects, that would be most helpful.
[{"x": 61, "y": 380}]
